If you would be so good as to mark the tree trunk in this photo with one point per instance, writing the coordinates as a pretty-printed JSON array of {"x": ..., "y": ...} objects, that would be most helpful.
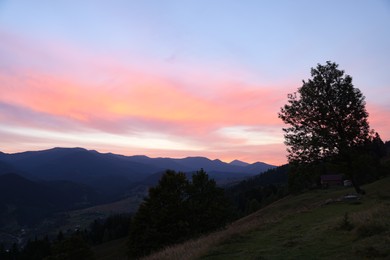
[
  {"x": 354, "y": 180},
  {"x": 357, "y": 186}
]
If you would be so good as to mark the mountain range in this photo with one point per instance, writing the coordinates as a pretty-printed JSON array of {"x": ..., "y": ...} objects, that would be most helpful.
[
  {"x": 35, "y": 184},
  {"x": 98, "y": 170}
]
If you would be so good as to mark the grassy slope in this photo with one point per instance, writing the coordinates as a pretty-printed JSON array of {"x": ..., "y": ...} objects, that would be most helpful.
[{"x": 311, "y": 225}]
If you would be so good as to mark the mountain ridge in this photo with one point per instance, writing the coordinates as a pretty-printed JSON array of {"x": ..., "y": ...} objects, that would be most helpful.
[
  {"x": 64, "y": 149},
  {"x": 35, "y": 184},
  {"x": 114, "y": 175},
  {"x": 239, "y": 163},
  {"x": 33, "y": 159}
]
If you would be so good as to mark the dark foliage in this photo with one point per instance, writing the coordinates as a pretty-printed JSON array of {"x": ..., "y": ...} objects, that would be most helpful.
[
  {"x": 114, "y": 227},
  {"x": 175, "y": 210},
  {"x": 161, "y": 219},
  {"x": 29, "y": 202},
  {"x": 207, "y": 205},
  {"x": 327, "y": 121},
  {"x": 327, "y": 116},
  {"x": 256, "y": 192},
  {"x": 12, "y": 253},
  {"x": 74, "y": 246},
  {"x": 368, "y": 163},
  {"x": 37, "y": 249}
]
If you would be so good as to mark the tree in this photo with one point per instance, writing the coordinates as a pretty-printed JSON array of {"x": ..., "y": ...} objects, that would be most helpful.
[
  {"x": 176, "y": 210},
  {"x": 327, "y": 118},
  {"x": 74, "y": 247},
  {"x": 208, "y": 208},
  {"x": 161, "y": 219},
  {"x": 37, "y": 249}
]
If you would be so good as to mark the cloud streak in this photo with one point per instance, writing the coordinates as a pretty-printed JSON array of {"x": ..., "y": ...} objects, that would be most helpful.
[
  {"x": 58, "y": 95},
  {"x": 133, "y": 106},
  {"x": 132, "y": 110}
]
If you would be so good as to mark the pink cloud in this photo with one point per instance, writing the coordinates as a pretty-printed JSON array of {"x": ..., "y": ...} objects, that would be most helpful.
[
  {"x": 83, "y": 92},
  {"x": 142, "y": 103},
  {"x": 147, "y": 97}
]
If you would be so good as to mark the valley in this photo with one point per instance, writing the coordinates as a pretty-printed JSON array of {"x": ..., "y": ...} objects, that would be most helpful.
[{"x": 65, "y": 189}]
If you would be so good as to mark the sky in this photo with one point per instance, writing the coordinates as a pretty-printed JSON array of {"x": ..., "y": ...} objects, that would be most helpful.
[{"x": 179, "y": 78}]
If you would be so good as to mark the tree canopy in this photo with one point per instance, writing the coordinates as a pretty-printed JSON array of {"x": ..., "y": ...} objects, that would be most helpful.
[
  {"x": 327, "y": 116},
  {"x": 175, "y": 210}
]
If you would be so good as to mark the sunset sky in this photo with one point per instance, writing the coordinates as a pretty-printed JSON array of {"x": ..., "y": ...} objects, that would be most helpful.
[{"x": 179, "y": 78}]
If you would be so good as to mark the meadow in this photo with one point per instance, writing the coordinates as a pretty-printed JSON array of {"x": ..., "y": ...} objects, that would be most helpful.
[{"x": 318, "y": 224}]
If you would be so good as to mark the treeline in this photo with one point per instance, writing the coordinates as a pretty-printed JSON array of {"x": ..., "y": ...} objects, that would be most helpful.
[
  {"x": 252, "y": 194},
  {"x": 114, "y": 227},
  {"x": 71, "y": 246},
  {"x": 366, "y": 164}
]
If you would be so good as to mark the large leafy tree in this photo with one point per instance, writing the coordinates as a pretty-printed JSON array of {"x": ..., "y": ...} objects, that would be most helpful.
[{"x": 327, "y": 118}]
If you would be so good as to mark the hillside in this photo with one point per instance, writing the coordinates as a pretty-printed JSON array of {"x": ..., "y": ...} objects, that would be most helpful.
[
  {"x": 25, "y": 203},
  {"x": 311, "y": 225},
  {"x": 38, "y": 188}
]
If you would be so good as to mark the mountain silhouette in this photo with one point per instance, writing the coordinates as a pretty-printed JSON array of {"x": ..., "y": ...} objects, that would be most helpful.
[
  {"x": 113, "y": 174},
  {"x": 68, "y": 163},
  {"x": 36, "y": 185},
  {"x": 239, "y": 163}
]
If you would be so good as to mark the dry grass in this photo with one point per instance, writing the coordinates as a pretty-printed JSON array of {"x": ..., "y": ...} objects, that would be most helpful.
[
  {"x": 299, "y": 227},
  {"x": 369, "y": 231},
  {"x": 372, "y": 222},
  {"x": 195, "y": 248}
]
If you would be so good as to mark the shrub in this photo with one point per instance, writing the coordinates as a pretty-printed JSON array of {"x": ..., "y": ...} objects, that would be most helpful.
[
  {"x": 346, "y": 223},
  {"x": 369, "y": 229}
]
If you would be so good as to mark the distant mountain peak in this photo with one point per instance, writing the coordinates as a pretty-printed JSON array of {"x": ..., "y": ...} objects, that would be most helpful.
[
  {"x": 197, "y": 157},
  {"x": 239, "y": 163},
  {"x": 140, "y": 156},
  {"x": 66, "y": 149}
]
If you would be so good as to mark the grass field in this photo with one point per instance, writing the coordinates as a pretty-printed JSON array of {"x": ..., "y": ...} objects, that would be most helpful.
[{"x": 314, "y": 225}]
